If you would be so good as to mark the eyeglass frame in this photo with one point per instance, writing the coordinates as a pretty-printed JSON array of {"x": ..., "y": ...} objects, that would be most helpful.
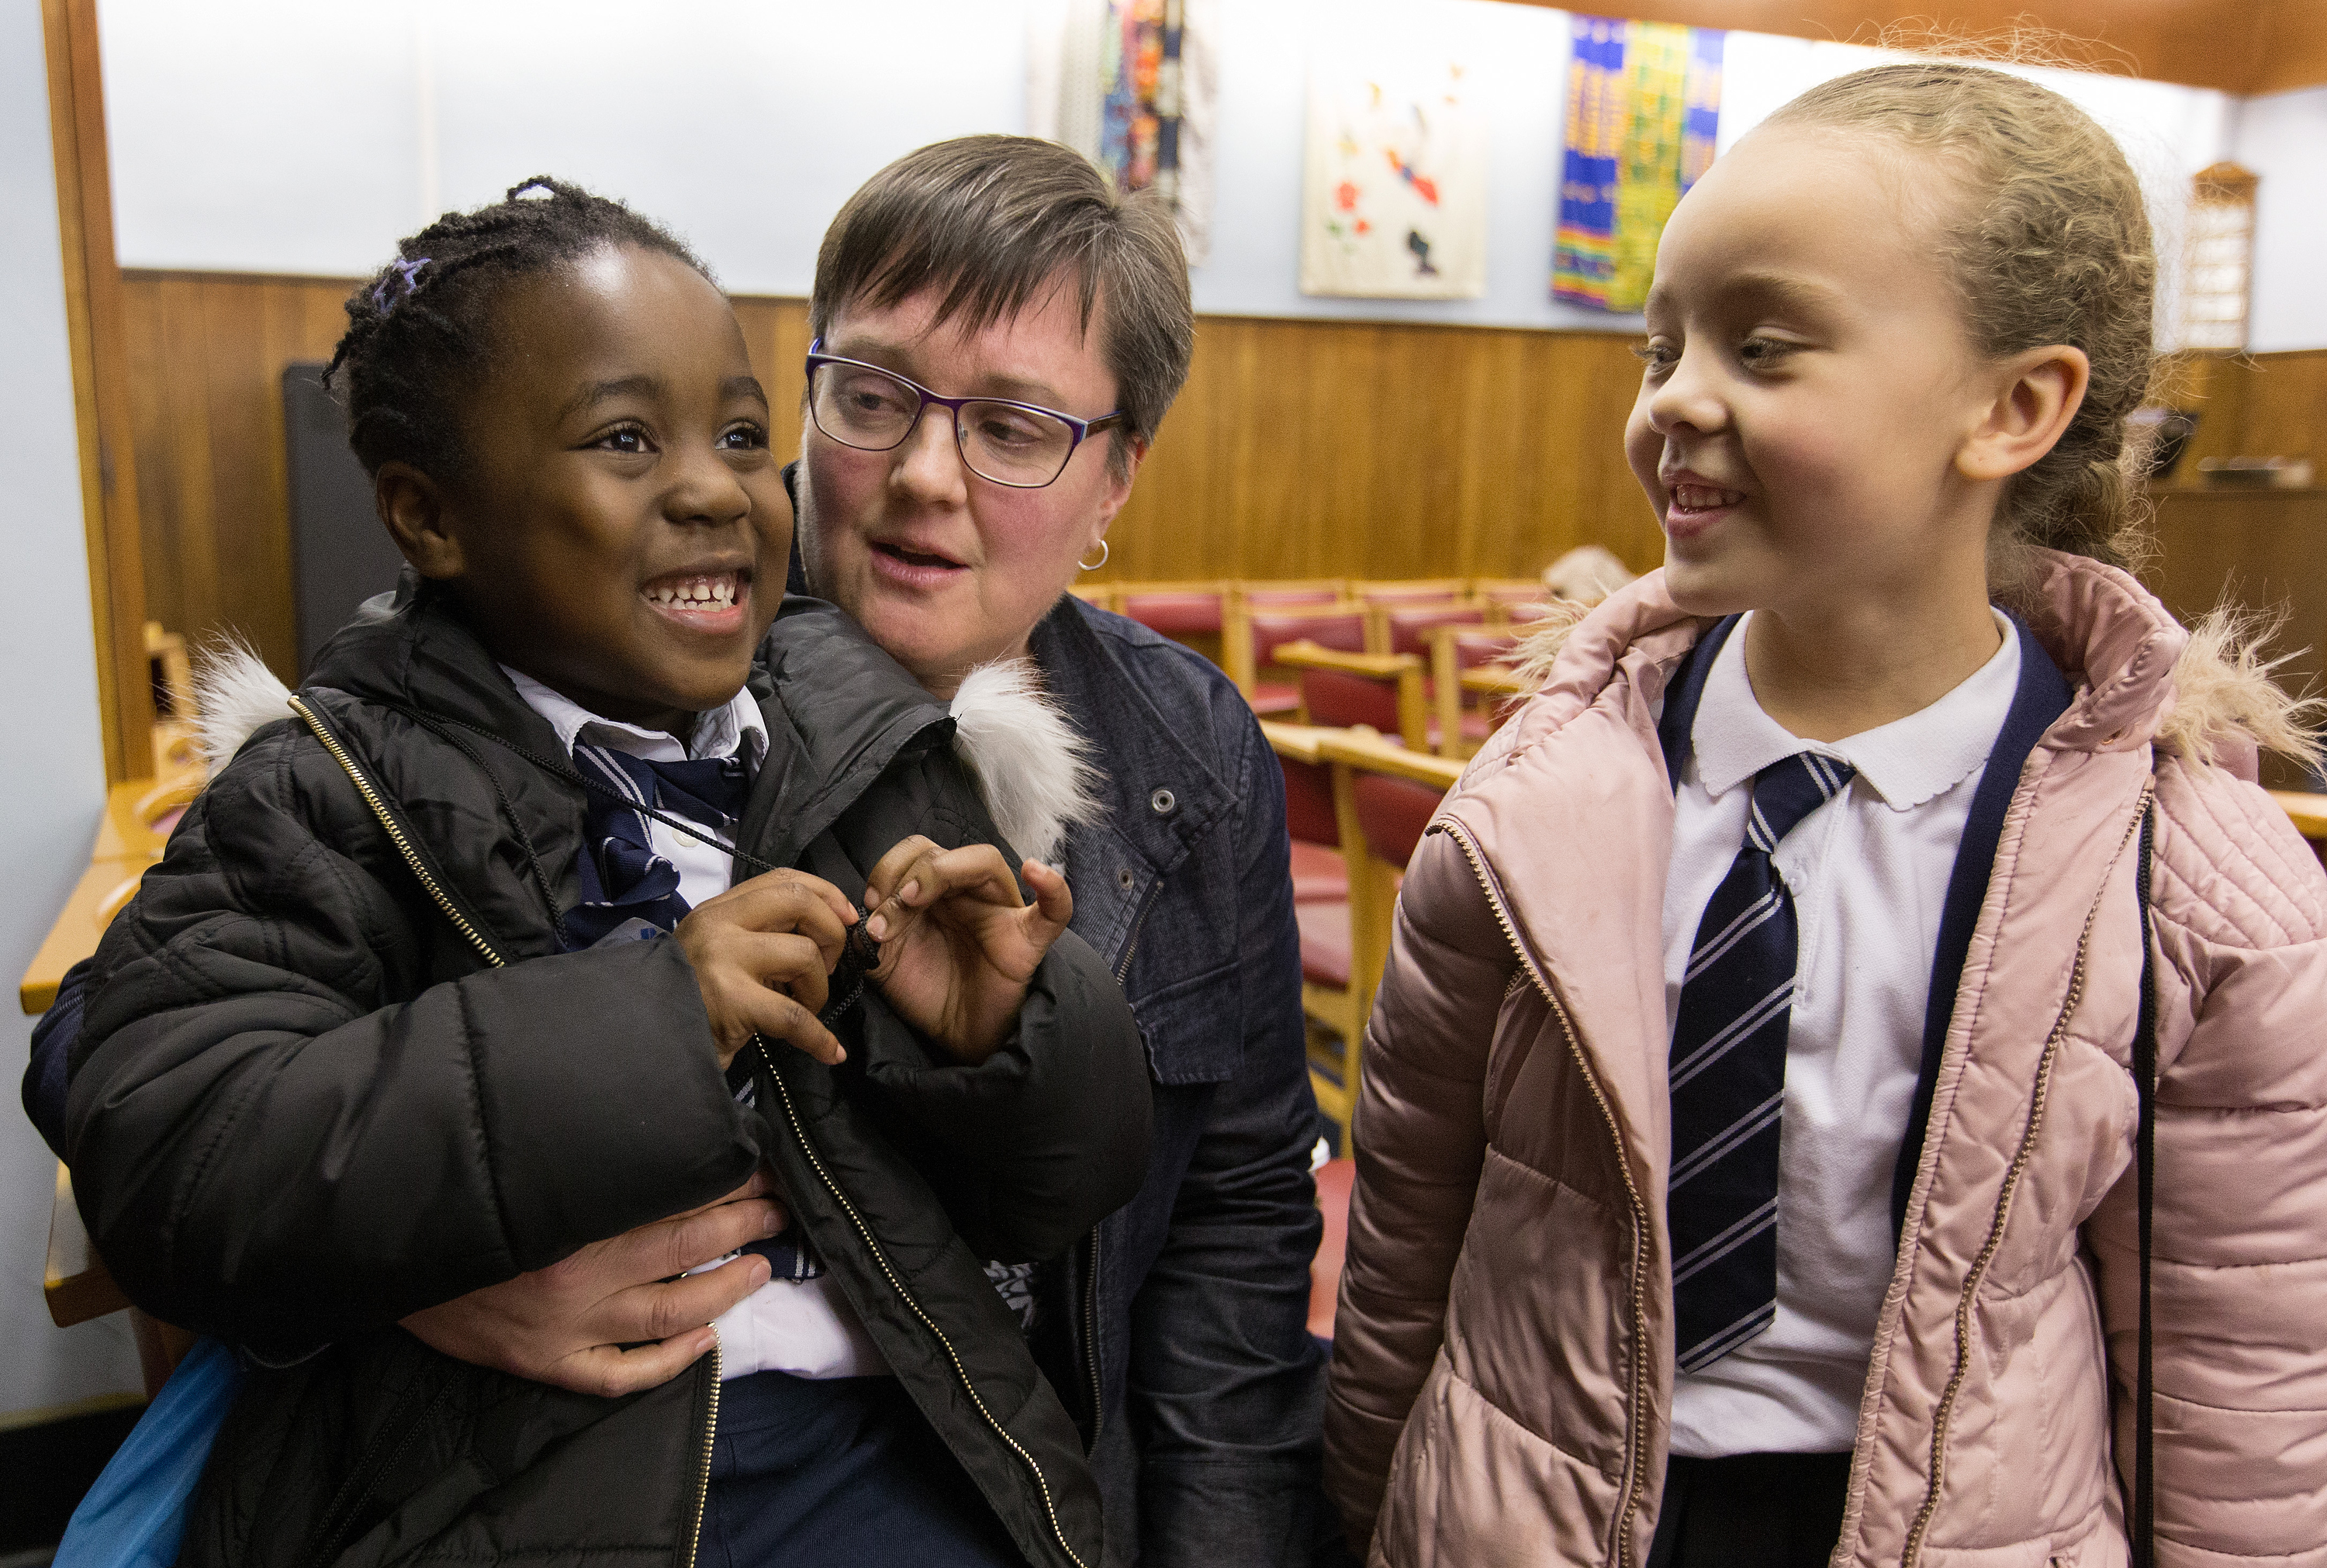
[{"x": 1080, "y": 429}]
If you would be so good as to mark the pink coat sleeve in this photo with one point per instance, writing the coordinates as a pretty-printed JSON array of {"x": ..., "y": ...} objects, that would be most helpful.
[
  {"x": 2239, "y": 1265},
  {"x": 1419, "y": 1141}
]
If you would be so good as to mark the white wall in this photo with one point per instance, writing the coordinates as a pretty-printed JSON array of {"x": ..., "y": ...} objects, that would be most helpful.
[
  {"x": 52, "y": 756},
  {"x": 2284, "y": 138},
  {"x": 305, "y": 136}
]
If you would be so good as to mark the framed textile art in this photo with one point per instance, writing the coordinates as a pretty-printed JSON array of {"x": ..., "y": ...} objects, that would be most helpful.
[
  {"x": 1131, "y": 84},
  {"x": 1394, "y": 197},
  {"x": 1643, "y": 105}
]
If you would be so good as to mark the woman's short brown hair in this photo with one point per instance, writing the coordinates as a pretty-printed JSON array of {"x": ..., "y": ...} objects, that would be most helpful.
[{"x": 991, "y": 220}]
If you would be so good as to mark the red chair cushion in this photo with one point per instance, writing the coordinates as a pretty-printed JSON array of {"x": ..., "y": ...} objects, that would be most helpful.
[
  {"x": 1257, "y": 597},
  {"x": 1324, "y": 943},
  {"x": 1175, "y": 615},
  {"x": 1338, "y": 698},
  {"x": 1345, "y": 632},
  {"x": 1309, "y": 805},
  {"x": 1393, "y": 812},
  {"x": 1410, "y": 627},
  {"x": 1274, "y": 699},
  {"x": 1334, "y": 1180},
  {"x": 1320, "y": 875}
]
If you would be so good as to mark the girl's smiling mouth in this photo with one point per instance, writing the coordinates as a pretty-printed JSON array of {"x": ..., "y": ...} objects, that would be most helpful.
[
  {"x": 706, "y": 602},
  {"x": 1693, "y": 505}
]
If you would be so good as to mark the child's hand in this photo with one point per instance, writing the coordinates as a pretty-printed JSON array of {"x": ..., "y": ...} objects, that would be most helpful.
[
  {"x": 762, "y": 951},
  {"x": 957, "y": 943}
]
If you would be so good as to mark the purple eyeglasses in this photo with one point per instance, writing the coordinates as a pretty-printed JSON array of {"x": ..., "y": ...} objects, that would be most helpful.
[{"x": 1022, "y": 445}]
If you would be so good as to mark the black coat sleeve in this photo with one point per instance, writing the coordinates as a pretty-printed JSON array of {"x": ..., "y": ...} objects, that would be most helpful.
[
  {"x": 1035, "y": 1145},
  {"x": 281, "y": 1132},
  {"x": 1226, "y": 1386}
]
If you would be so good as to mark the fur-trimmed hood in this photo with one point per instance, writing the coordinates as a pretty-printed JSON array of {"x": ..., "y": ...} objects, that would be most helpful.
[
  {"x": 2204, "y": 693},
  {"x": 1032, "y": 768}
]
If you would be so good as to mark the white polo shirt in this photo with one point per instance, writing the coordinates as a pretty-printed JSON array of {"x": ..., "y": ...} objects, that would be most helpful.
[
  {"x": 1868, "y": 873},
  {"x": 803, "y": 1326}
]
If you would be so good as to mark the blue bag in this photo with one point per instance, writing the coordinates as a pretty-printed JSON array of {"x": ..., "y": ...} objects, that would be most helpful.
[{"x": 136, "y": 1514}]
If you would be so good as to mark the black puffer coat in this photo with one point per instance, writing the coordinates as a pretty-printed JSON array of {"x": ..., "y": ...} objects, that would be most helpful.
[{"x": 335, "y": 1069}]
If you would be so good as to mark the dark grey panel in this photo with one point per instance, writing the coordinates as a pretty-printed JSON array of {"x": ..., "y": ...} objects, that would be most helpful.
[{"x": 340, "y": 553}]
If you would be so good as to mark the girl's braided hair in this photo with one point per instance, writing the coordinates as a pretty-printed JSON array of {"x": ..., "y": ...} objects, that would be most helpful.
[
  {"x": 2052, "y": 245},
  {"x": 420, "y": 333}
]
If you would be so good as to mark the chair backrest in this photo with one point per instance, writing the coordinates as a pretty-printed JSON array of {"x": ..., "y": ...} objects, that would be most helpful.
[
  {"x": 1173, "y": 612},
  {"x": 1328, "y": 626},
  {"x": 1406, "y": 627},
  {"x": 1309, "y": 803},
  {"x": 1262, "y": 595},
  {"x": 1338, "y": 698},
  {"x": 1473, "y": 648},
  {"x": 1509, "y": 590},
  {"x": 1408, "y": 590},
  {"x": 1394, "y": 812}
]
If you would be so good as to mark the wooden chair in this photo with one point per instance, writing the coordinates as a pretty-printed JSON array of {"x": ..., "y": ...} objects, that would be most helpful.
[
  {"x": 1464, "y": 716},
  {"x": 1327, "y": 998},
  {"x": 1408, "y": 590},
  {"x": 1319, "y": 876},
  {"x": 1382, "y": 691},
  {"x": 1384, "y": 796},
  {"x": 1278, "y": 592},
  {"x": 1335, "y": 1178},
  {"x": 1255, "y": 632},
  {"x": 1194, "y": 613},
  {"x": 1409, "y": 628}
]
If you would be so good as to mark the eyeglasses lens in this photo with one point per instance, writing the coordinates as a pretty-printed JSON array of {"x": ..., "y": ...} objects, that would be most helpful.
[{"x": 868, "y": 409}]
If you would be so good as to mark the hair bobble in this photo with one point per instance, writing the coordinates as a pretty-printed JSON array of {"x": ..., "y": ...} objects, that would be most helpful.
[{"x": 409, "y": 271}]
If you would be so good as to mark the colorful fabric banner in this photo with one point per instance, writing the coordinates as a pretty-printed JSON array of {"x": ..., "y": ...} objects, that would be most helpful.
[{"x": 1643, "y": 105}]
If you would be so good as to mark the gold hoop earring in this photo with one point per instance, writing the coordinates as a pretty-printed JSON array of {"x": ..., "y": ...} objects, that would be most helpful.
[{"x": 1094, "y": 565}]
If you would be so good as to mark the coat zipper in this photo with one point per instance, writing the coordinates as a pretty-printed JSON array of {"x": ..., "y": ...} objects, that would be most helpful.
[
  {"x": 1090, "y": 1340},
  {"x": 460, "y": 923},
  {"x": 703, "y": 1476},
  {"x": 2020, "y": 1159},
  {"x": 1131, "y": 945},
  {"x": 864, "y": 1234},
  {"x": 395, "y": 831},
  {"x": 1628, "y": 1502}
]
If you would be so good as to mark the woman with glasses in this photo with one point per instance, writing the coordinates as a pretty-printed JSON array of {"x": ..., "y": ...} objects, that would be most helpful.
[{"x": 997, "y": 338}]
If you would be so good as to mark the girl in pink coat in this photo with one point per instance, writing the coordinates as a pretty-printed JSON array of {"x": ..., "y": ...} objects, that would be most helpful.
[{"x": 1747, "y": 1154}]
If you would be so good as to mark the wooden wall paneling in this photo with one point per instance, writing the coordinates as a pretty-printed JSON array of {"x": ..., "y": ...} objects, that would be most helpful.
[
  {"x": 97, "y": 335},
  {"x": 207, "y": 413},
  {"x": 2256, "y": 548}
]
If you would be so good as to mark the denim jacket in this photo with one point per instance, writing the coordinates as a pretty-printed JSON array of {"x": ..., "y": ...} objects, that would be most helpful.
[{"x": 1210, "y": 1385}]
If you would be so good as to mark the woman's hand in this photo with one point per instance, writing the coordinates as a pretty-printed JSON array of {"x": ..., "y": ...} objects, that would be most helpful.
[
  {"x": 567, "y": 1324},
  {"x": 957, "y": 943},
  {"x": 762, "y": 952}
]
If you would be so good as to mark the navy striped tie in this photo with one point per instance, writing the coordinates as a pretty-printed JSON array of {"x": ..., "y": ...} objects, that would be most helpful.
[{"x": 1729, "y": 1077}]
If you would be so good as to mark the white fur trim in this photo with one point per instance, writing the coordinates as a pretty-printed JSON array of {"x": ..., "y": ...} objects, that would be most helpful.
[
  {"x": 235, "y": 694},
  {"x": 1035, "y": 770}
]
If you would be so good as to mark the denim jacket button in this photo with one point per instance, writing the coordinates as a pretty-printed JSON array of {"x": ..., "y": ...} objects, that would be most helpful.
[
  {"x": 1163, "y": 800},
  {"x": 1124, "y": 879}
]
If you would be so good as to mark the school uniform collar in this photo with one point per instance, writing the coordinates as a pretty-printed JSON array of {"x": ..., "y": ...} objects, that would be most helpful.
[
  {"x": 2040, "y": 696},
  {"x": 732, "y": 730},
  {"x": 1905, "y": 762}
]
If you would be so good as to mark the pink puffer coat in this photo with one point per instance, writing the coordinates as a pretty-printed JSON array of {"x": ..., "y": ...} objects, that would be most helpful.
[{"x": 1502, "y": 1364}]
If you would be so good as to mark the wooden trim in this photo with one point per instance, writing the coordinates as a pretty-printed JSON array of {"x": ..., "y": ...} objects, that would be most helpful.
[
  {"x": 100, "y": 372},
  {"x": 1359, "y": 749}
]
